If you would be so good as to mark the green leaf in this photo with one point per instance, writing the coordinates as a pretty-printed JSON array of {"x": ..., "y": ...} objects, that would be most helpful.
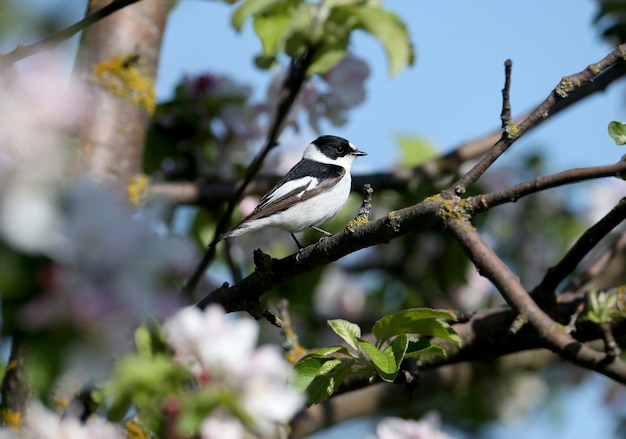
[
  {"x": 617, "y": 131},
  {"x": 248, "y": 9},
  {"x": 412, "y": 321},
  {"x": 271, "y": 32},
  {"x": 416, "y": 150},
  {"x": 391, "y": 32},
  {"x": 425, "y": 346},
  {"x": 346, "y": 330},
  {"x": 320, "y": 377},
  {"x": 325, "y": 59},
  {"x": 384, "y": 362},
  {"x": 143, "y": 341},
  {"x": 399, "y": 347},
  {"x": 330, "y": 350},
  {"x": 305, "y": 370}
]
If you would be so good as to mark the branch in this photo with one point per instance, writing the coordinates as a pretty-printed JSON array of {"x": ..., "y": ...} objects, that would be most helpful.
[
  {"x": 579, "y": 250},
  {"x": 485, "y": 338},
  {"x": 14, "y": 390},
  {"x": 270, "y": 273},
  {"x": 552, "y": 335},
  {"x": 569, "y": 89},
  {"x": 484, "y": 202},
  {"x": 599, "y": 266},
  {"x": 21, "y": 52},
  {"x": 505, "y": 116},
  {"x": 211, "y": 193},
  {"x": 289, "y": 92}
]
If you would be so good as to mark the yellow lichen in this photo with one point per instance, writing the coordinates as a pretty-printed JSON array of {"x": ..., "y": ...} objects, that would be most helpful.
[
  {"x": 295, "y": 354},
  {"x": 512, "y": 130},
  {"x": 594, "y": 69},
  {"x": 483, "y": 202},
  {"x": 11, "y": 365},
  {"x": 454, "y": 209},
  {"x": 62, "y": 402},
  {"x": 128, "y": 77},
  {"x": 136, "y": 430},
  {"x": 356, "y": 223},
  {"x": 12, "y": 419},
  {"x": 138, "y": 190},
  {"x": 436, "y": 197},
  {"x": 565, "y": 87}
]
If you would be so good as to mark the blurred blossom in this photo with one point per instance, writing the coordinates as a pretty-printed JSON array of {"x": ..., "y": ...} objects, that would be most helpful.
[
  {"x": 42, "y": 423},
  {"x": 396, "y": 428},
  {"x": 338, "y": 295},
  {"x": 475, "y": 293},
  {"x": 38, "y": 108},
  {"x": 109, "y": 269},
  {"x": 344, "y": 90},
  {"x": 220, "y": 350},
  {"x": 222, "y": 427},
  {"x": 602, "y": 197}
]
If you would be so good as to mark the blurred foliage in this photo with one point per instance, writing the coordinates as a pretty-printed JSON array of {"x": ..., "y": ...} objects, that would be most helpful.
[
  {"x": 297, "y": 26},
  {"x": 611, "y": 20}
]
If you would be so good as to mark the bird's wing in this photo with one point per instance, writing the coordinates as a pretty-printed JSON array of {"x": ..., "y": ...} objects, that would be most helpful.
[{"x": 298, "y": 185}]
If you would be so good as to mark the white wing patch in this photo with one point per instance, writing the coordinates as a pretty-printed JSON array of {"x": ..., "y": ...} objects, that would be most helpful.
[{"x": 287, "y": 187}]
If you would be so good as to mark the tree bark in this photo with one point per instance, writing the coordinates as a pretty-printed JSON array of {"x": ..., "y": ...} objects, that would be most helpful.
[{"x": 117, "y": 64}]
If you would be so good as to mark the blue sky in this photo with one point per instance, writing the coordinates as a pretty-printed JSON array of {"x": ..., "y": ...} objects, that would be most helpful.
[{"x": 453, "y": 92}]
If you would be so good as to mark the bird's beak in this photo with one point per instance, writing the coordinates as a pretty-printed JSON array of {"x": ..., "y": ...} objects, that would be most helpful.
[{"x": 358, "y": 152}]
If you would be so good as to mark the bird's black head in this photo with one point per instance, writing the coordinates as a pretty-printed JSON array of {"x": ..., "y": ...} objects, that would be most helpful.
[{"x": 335, "y": 147}]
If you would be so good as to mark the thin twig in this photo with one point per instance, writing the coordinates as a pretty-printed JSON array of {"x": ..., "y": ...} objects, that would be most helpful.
[
  {"x": 587, "y": 241},
  {"x": 291, "y": 88},
  {"x": 599, "y": 266},
  {"x": 567, "y": 89},
  {"x": 505, "y": 116},
  {"x": 21, "y": 52},
  {"x": 484, "y": 202}
]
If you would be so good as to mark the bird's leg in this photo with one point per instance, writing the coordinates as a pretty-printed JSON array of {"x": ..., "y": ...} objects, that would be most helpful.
[
  {"x": 317, "y": 229},
  {"x": 300, "y": 246}
]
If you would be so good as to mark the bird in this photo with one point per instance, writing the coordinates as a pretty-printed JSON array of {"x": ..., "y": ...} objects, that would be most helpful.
[{"x": 311, "y": 193}]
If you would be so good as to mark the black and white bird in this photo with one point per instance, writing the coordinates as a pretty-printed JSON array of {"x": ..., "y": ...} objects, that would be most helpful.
[{"x": 311, "y": 193}]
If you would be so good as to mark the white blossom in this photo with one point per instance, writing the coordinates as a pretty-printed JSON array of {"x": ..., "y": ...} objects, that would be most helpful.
[
  {"x": 42, "y": 423},
  {"x": 217, "y": 348}
]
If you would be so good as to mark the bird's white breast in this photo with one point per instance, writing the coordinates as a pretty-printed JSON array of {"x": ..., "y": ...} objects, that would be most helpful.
[{"x": 314, "y": 211}]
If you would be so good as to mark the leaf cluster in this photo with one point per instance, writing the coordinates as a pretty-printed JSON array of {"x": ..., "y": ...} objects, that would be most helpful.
[
  {"x": 294, "y": 27},
  {"x": 322, "y": 372}
]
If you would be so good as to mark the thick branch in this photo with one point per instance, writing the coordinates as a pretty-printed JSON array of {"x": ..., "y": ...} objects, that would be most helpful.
[
  {"x": 552, "y": 335},
  {"x": 272, "y": 272}
]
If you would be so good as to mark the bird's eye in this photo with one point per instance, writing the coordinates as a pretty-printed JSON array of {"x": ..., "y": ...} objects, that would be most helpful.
[{"x": 341, "y": 149}]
